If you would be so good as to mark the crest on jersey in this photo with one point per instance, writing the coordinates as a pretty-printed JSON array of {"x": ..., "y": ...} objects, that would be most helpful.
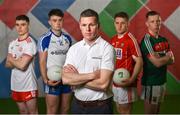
[
  {"x": 118, "y": 53},
  {"x": 122, "y": 44}
]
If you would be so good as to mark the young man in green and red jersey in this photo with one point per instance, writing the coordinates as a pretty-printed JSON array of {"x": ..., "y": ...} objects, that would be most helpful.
[{"x": 157, "y": 55}]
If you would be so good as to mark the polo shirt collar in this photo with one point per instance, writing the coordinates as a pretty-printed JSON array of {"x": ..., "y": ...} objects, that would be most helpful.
[{"x": 95, "y": 42}]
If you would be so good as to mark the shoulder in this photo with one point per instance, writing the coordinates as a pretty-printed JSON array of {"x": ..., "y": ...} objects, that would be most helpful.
[
  {"x": 77, "y": 45},
  {"x": 114, "y": 38},
  {"x": 66, "y": 35},
  {"x": 104, "y": 44},
  {"x": 130, "y": 36},
  {"x": 146, "y": 39},
  {"x": 164, "y": 38},
  {"x": 45, "y": 36}
]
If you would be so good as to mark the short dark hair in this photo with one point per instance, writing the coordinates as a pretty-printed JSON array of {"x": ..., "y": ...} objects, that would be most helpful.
[
  {"x": 23, "y": 17},
  {"x": 152, "y": 13},
  {"x": 122, "y": 15},
  {"x": 56, "y": 12},
  {"x": 90, "y": 13}
]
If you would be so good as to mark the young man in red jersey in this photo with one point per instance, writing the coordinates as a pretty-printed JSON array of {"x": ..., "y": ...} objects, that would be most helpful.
[{"x": 128, "y": 56}]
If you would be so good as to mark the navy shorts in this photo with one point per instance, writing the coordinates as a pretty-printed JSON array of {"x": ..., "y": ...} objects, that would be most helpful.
[{"x": 57, "y": 90}]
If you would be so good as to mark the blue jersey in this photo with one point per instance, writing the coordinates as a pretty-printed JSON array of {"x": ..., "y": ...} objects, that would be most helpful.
[{"x": 55, "y": 46}]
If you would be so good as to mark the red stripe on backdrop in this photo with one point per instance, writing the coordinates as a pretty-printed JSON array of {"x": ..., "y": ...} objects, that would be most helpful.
[
  {"x": 175, "y": 46},
  {"x": 9, "y": 9},
  {"x": 137, "y": 24},
  {"x": 72, "y": 27},
  {"x": 104, "y": 36},
  {"x": 165, "y": 8}
]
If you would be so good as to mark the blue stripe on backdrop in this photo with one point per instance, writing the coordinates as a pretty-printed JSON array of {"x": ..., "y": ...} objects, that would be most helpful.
[
  {"x": 42, "y": 9},
  {"x": 5, "y": 74}
]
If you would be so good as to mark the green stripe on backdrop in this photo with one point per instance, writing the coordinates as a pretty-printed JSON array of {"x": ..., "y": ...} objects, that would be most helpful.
[
  {"x": 173, "y": 86},
  {"x": 1, "y": 1},
  {"x": 107, "y": 23},
  {"x": 106, "y": 16}
]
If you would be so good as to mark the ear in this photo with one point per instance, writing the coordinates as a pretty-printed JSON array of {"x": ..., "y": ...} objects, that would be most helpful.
[
  {"x": 49, "y": 22},
  {"x": 128, "y": 23},
  {"x": 146, "y": 23}
]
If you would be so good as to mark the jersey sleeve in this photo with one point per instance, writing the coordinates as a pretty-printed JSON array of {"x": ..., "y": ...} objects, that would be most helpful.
[
  {"x": 134, "y": 47},
  {"x": 69, "y": 57},
  {"x": 146, "y": 46},
  {"x": 108, "y": 58},
  {"x": 43, "y": 44},
  {"x": 30, "y": 49},
  {"x": 10, "y": 47},
  {"x": 69, "y": 39}
]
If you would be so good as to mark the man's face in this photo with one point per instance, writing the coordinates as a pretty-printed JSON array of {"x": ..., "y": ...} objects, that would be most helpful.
[
  {"x": 56, "y": 23},
  {"x": 89, "y": 28},
  {"x": 154, "y": 24},
  {"x": 121, "y": 25},
  {"x": 22, "y": 27}
]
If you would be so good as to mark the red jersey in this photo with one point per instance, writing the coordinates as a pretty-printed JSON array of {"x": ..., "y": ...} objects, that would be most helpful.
[{"x": 125, "y": 47}]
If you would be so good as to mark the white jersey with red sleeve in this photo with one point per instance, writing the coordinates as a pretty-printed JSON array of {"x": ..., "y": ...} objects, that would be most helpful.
[
  {"x": 125, "y": 47},
  {"x": 22, "y": 81}
]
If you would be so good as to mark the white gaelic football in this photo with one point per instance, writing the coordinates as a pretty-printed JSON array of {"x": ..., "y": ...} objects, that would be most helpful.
[
  {"x": 54, "y": 73},
  {"x": 120, "y": 74}
]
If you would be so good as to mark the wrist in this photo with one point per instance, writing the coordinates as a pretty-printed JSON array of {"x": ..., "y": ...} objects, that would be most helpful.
[{"x": 46, "y": 82}]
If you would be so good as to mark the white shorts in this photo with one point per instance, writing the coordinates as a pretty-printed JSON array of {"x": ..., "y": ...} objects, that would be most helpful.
[
  {"x": 153, "y": 94},
  {"x": 124, "y": 95}
]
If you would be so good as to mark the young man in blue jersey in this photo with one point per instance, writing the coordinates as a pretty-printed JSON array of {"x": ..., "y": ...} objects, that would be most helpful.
[{"x": 53, "y": 46}]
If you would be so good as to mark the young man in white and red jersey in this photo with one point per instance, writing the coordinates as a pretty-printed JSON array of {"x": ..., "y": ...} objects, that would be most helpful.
[
  {"x": 128, "y": 56},
  {"x": 20, "y": 59},
  {"x": 53, "y": 47}
]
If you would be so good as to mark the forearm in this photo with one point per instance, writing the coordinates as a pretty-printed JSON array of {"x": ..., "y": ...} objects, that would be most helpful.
[
  {"x": 8, "y": 64},
  {"x": 43, "y": 71},
  {"x": 158, "y": 62},
  {"x": 76, "y": 79},
  {"x": 96, "y": 85},
  {"x": 102, "y": 83},
  {"x": 137, "y": 68},
  {"x": 19, "y": 64}
]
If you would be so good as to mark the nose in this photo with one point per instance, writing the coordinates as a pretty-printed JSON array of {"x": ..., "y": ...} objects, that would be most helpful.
[{"x": 88, "y": 28}]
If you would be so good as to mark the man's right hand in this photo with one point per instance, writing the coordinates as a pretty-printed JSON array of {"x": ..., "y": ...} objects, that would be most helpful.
[{"x": 53, "y": 83}]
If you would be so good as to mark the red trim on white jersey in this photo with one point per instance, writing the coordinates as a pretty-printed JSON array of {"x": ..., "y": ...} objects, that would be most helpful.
[{"x": 28, "y": 39}]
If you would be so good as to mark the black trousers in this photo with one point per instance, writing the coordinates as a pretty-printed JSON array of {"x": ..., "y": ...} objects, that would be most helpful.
[{"x": 105, "y": 108}]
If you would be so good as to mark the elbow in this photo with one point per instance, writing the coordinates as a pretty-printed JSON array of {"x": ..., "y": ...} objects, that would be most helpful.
[
  {"x": 157, "y": 65},
  {"x": 65, "y": 81},
  {"x": 23, "y": 68},
  {"x": 141, "y": 63},
  {"x": 104, "y": 87}
]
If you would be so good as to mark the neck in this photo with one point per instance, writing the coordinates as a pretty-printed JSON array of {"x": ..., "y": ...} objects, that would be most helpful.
[
  {"x": 121, "y": 34},
  {"x": 155, "y": 34},
  {"x": 24, "y": 36},
  {"x": 57, "y": 33},
  {"x": 90, "y": 42}
]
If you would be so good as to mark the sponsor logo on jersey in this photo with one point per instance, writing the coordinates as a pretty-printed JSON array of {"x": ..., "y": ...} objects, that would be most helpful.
[
  {"x": 118, "y": 53},
  {"x": 59, "y": 52}
]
